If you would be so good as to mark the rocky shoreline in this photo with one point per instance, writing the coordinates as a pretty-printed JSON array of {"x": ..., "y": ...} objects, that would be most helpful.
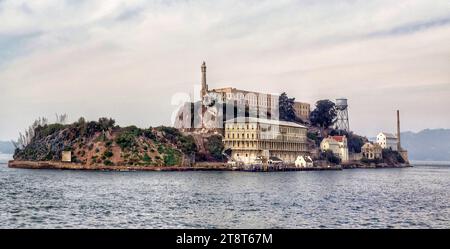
[
  {"x": 359, "y": 165},
  {"x": 213, "y": 166}
]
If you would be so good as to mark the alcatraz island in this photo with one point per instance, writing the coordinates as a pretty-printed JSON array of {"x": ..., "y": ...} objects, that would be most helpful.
[{"x": 227, "y": 129}]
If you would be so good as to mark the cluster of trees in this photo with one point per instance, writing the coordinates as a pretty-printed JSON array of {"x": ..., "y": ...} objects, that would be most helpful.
[
  {"x": 215, "y": 147},
  {"x": 354, "y": 142},
  {"x": 329, "y": 156}
]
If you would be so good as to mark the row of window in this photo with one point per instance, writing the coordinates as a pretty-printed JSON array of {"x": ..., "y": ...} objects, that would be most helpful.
[
  {"x": 266, "y": 145},
  {"x": 277, "y": 136},
  {"x": 264, "y": 128}
]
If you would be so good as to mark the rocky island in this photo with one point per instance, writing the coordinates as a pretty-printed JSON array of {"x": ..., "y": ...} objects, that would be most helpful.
[
  {"x": 228, "y": 129},
  {"x": 103, "y": 145}
]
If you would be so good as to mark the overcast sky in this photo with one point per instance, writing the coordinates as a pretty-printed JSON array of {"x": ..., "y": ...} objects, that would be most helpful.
[{"x": 126, "y": 59}]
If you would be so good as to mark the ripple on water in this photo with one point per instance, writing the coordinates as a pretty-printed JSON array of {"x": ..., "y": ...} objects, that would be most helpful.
[{"x": 416, "y": 198}]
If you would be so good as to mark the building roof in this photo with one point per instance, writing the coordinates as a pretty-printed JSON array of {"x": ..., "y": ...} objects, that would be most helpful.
[
  {"x": 338, "y": 138},
  {"x": 236, "y": 90},
  {"x": 388, "y": 135},
  {"x": 371, "y": 145},
  {"x": 274, "y": 158},
  {"x": 264, "y": 121}
]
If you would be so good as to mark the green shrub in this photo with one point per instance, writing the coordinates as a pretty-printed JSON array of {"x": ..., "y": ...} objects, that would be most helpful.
[
  {"x": 170, "y": 133},
  {"x": 329, "y": 156},
  {"x": 171, "y": 157},
  {"x": 188, "y": 145},
  {"x": 126, "y": 139},
  {"x": 146, "y": 158},
  {"x": 215, "y": 146},
  {"x": 133, "y": 130},
  {"x": 47, "y": 130},
  {"x": 108, "y": 154},
  {"x": 148, "y": 133},
  {"x": 108, "y": 162},
  {"x": 161, "y": 149},
  {"x": 106, "y": 123}
]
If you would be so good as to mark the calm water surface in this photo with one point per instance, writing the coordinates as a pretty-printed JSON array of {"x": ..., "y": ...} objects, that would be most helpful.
[{"x": 416, "y": 197}]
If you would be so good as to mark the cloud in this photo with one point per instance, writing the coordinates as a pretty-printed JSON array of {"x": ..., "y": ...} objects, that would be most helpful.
[{"x": 126, "y": 59}]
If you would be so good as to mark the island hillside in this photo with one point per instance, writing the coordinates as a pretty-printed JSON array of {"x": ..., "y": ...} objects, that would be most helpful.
[{"x": 104, "y": 143}]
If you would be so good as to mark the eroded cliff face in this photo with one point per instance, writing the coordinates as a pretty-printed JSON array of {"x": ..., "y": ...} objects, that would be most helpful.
[{"x": 102, "y": 143}]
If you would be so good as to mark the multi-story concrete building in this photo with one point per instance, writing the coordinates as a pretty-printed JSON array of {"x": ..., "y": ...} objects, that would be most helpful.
[
  {"x": 261, "y": 102},
  {"x": 302, "y": 110},
  {"x": 387, "y": 141},
  {"x": 253, "y": 140},
  {"x": 338, "y": 145}
]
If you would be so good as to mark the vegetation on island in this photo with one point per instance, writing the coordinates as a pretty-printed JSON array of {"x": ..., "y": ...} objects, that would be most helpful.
[
  {"x": 324, "y": 115},
  {"x": 286, "y": 109},
  {"x": 103, "y": 142}
]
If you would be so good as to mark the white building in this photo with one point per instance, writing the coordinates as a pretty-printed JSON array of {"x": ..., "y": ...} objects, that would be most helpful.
[
  {"x": 304, "y": 162},
  {"x": 252, "y": 138},
  {"x": 337, "y": 144},
  {"x": 387, "y": 141}
]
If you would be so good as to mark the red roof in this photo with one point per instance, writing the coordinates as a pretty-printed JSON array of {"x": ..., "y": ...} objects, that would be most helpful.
[{"x": 338, "y": 138}]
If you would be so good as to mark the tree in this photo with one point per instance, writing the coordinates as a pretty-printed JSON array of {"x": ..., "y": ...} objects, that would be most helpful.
[
  {"x": 324, "y": 115},
  {"x": 329, "y": 157},
  {"x": 25, "y": 138},
  {"x": 215, "y": 147},
  {"x": 286, "y": 107},
  {"x": 61, "y": 119},
  {"x": 106, "y": 123}
]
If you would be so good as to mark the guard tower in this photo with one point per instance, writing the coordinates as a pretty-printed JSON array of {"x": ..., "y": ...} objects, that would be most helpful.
[{"x": 342, "y": 115}]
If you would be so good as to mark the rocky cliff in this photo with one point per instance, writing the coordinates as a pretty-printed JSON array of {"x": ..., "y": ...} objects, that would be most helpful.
[{"x": 103, "y": 143}]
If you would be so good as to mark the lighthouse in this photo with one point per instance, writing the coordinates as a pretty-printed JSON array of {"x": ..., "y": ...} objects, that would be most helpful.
[{"x": 204, "y": 89}]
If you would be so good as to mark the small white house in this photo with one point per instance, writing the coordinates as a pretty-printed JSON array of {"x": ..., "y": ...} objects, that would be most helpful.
[
  {"x": 304, "y": 162},
  {"x": 387, "y": 140}
]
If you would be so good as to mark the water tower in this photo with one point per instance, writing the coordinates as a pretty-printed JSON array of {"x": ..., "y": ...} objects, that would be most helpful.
[{"x": 342, "y": 115}]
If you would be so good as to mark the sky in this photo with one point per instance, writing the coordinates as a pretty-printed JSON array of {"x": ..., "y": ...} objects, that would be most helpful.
[{"x": 128, "y": 59}]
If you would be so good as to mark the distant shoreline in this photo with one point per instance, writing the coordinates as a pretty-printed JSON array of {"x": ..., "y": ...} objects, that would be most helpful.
[{"x": 431, "y": 163}]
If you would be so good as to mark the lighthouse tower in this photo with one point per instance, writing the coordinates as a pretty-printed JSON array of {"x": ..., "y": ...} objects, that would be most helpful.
[{"x": 204, "y": 89}]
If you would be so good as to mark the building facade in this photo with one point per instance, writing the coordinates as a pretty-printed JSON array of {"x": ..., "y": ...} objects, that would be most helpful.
[
  {"x": 336, "y": 144},
  {"x": 387, "y": 141},
  {"x": 256, "y": 101},
  {"x": 302, "y": 110},
  {"x": 254, "y": 139},
  {"x": 372, "y": 151}
]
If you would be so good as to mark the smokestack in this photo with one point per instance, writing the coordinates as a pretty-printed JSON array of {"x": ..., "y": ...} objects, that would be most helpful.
[{"x": 398, "y": 131}]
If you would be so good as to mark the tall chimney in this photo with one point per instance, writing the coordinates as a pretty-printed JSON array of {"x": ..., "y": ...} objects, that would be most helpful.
[{"x": 398, "y": 131}]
